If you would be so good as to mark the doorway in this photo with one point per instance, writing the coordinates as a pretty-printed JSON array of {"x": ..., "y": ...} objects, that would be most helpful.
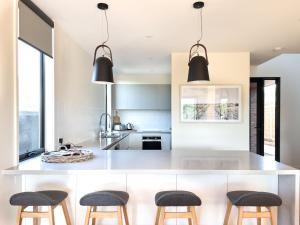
[{"x": 265, "y": 116}]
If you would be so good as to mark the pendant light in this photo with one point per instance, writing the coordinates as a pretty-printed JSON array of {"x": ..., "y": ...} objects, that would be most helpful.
[
  {"x": 102, "y": 66},
  {"x": 198, "y": 65}
]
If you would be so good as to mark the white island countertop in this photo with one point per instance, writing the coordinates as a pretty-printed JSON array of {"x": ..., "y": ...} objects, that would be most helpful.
[{"x": 170, "y": 162}]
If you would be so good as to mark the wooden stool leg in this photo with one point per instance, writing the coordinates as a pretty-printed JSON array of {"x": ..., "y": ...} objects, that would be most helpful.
[
  {"x": 120, "y": 220},
  {"x": 87, "y": 216},
  {"x": 125, "y": 214},
  {"x": 66, "y": 213},
  {"x": 240, "y": 216},
  {"x": 51, "y": 215},
  {"x": 190, "y": 219},
  {"x": 94, "y": 219},
  {"x": 258, "y": 209},
  {"x": 273, "y": 215},
  {"x": 228, "y": 211},
  {"x": 157, "y": 216},
  {"x": 35, "y": 220},
  {"x": 162, "y": 216},
  {"x": 194, "y": 216},
  {"x": 19, "y": 215}
]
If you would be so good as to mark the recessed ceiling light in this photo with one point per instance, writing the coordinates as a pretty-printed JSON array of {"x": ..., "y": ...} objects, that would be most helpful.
[{"x": 277, "y": 49}]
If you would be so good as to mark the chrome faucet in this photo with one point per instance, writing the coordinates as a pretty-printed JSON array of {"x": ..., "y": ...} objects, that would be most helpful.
[{"x": 107, "y": 127}]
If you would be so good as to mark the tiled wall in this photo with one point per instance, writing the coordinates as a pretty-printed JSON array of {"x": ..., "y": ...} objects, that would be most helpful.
[{"x": 146, "y": 119}]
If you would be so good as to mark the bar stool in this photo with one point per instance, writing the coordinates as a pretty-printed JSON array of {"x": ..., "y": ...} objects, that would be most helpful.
[
  {"x": 176, "y": 198},
  {"x": 243, "y": 199},
  {"x": 49, "y": 198},
  {"x": 105, "y": 198}
]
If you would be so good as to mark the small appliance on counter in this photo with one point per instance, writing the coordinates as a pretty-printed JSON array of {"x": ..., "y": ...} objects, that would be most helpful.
[
  {"x": 118, "y": 127},
  {"x": 123, "y": 127},
  {"x": 129, "y": 126}
]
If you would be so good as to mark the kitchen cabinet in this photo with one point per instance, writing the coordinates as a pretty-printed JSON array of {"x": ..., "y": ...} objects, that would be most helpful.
[
  {"x": 124, "y": 143},
  {"x": 135, "y": 141},
  {"x": 141, "y": 96},
  {"x": 166, "y": 141}
]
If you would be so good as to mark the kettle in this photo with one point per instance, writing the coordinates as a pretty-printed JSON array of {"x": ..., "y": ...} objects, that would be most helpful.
[{"x": 129, "y": 126}]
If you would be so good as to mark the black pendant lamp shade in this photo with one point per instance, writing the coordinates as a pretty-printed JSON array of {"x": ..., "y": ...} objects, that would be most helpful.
[
  {"x": 198, "y": 66},
  {"x": 102, "y": 68}
]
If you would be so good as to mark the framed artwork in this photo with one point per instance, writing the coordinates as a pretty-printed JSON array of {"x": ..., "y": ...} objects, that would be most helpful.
[{"x": 210, "y": 103}]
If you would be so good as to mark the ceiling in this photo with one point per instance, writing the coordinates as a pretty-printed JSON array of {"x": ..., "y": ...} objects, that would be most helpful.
[{"x": 144, "y": 33}]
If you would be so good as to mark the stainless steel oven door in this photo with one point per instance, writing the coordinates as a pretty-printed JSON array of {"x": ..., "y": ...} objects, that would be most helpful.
[{"x": 151, "y": 143}]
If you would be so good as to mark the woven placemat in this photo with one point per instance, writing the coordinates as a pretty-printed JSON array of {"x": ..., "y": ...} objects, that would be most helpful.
[{"x": 67, "y": 156}]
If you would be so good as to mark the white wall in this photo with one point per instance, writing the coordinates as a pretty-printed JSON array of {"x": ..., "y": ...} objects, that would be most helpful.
[
  {"x": 7, "y": 82},
  {"x": 142, "y": 79},
  {"x": 8, "y": 151},
  {"x": 78, "y": 102},
  {"x": 287, "y": 67},
  {"x": 224, "y": 68}
]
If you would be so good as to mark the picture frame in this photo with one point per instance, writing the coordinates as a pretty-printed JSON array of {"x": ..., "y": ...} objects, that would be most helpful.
[{"x": 211, "y": 103}]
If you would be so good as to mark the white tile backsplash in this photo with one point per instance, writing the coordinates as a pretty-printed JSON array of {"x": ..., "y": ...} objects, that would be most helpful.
[{"x": 146, "y": 119}]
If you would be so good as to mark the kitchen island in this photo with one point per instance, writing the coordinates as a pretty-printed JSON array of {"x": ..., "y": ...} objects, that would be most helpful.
[{"x": 209, "y": 174}]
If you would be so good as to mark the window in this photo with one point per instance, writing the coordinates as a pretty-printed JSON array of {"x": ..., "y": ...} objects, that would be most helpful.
[{"x": 31, "y": 64}]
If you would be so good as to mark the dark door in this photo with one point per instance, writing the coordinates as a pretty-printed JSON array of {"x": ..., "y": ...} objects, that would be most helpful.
[
  {"x": 257, "y": 116},
  {"x": 265, "y": 129}
]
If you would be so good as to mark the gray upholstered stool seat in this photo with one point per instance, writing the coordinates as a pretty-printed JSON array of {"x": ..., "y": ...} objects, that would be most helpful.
[
  {"x": 105, "y": 198},
  {"x": 253, "y": 198},
  {"x": 39, "y": 198},
  {"x": 51, "y": 199},
  {"x": 177, "y": 198}
]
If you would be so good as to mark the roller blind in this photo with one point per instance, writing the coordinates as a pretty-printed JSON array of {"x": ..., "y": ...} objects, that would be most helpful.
[{"x": 35, "y": 27}]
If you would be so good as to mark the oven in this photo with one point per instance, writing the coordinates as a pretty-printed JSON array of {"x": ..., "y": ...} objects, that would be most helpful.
[{"x": 151, "y": 142}]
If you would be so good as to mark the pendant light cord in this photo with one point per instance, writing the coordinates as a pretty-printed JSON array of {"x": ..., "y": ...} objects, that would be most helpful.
[
  {"x": 107, "y": 35},
  {"x": 201, "y": 34},
  {"x": 201, "y": 27},
  {"x": 107, "y": 30}
]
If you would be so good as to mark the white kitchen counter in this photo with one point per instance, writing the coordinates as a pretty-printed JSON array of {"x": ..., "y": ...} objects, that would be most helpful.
[
  {"x": 173, "y": 162},
  {"x": 209, "y": 174}
]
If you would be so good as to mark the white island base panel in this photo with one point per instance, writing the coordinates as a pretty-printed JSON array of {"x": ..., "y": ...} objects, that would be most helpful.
[{"x": 142, "y": 188}]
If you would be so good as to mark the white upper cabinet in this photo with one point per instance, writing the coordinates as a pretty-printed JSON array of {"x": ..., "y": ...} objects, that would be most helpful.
[{"x": 141, "y": 96}]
